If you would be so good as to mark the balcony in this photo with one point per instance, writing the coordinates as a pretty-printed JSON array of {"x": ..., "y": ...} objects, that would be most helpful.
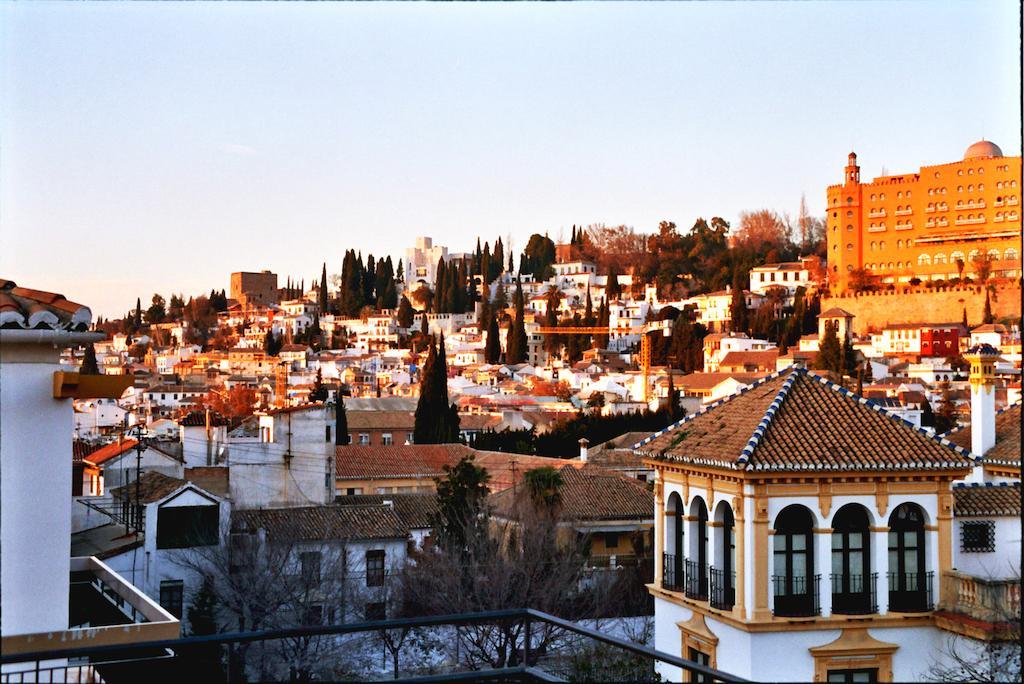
[
  {"x": 796, "y": 596},
  {"x": 696, "y": 580},
  {"x": 876, "y": 213},
  {"x": 723, "y": 589},
  {"x": 854, "y": 594},
  {"x": 671, "y": 572},
  {"x": 106, "y": 610},
  {"x": 910, "y": 592},
  {"x": 989, "y": 606},
  {"x": 904, "y": 212}
]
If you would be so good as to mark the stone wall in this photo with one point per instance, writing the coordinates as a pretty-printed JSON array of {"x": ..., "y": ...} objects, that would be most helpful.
[{"x": 874, "y": 310}]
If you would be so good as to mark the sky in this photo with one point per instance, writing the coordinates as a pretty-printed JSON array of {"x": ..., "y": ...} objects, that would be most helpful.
[{"x": 157, "y": 148}]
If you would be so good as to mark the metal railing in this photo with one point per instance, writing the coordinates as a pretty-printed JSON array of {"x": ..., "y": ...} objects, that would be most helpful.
[
  {"x": 696, "y": 580},
  {"x": 796, "y": 596},
  {"x": 723, "y": 589},
  {"x": 854, "y": 594},
  {"x": 542, "y": 647},
  {"x": 911, "y": 592},
  {"x": 671, "y": 572}
]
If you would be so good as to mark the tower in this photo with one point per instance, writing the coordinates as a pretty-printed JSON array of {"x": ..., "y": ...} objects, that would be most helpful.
[
  {"x": 983, "y": 397},
  {"x": 844, "y": 225},
  {"x": 852, "y": 170}
]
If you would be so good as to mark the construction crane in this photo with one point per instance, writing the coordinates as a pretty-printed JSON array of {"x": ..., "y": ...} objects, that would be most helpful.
[{"x": 645, "y": 341}]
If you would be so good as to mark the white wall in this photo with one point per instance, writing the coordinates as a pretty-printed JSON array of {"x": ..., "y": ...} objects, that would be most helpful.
[
  {"x": 1003, "y": 563},
  {"x": 35, "y": 518}
]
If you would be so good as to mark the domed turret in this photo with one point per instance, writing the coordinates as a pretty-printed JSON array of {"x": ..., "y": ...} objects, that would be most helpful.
[{"x": 983, "y": 149}]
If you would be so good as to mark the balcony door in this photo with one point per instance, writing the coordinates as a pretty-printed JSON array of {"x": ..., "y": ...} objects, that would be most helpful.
[
  {"x": 793, "y": 580},
  {"x": 907, "y": 571},
  {"x": 851, "y": 561}
]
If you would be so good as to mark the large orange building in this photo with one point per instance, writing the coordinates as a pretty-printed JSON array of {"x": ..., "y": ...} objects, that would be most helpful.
[{"x": 920, "y": 224}]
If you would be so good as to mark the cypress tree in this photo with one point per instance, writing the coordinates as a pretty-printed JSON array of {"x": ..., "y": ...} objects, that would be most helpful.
[
  {"x": 436, "y": 422},
  {"x": 137, "y": 320},
  {"x": 613, "y": 289},
  {"x": 738, "y": 306},
  {"x": 516, "y": 347},
  {"x": 341, "y": 437},
  {"x": 830, "y": 352},
  {"x": 439, "y": 286},
  {"x": 369, "y": 281},
  {"x": 965, "y": 318},
  {"x": 987, "y": 317},
  {"x": 492, "y": 348},
  {"x": 322, "y": 294},
  {"x": 89, "y": 364}
]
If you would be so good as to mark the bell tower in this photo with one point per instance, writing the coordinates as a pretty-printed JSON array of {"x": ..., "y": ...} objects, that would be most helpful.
[{"x": 852, "y": 170}]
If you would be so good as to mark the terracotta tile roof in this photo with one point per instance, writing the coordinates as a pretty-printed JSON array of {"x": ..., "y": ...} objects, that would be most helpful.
[
  {"x": 760, "y": 359},
  {"x": 396, "y": 461},
  {"x": 21, "y": 307},
  {"x": 213, "y": 479},
  {"x": 590, "y": 493},
  {"x": 198, "y": 419},
  {"x": 708, "y": 381},
  {"x": 293, "y": 409},
  {"x": 415, "y": 510},
  {"x": 80, "y": 450},
  {"x": 323, "y": 522},
  {"x": 104, "y": 454},
  {"x": 835, "y": 312},
  {"x": 796, "y": 420},
  {"x": 380, "y": 420},
  {"x": 1007, "y": 448},
  {"x": 617, "y": 452},
  {"x": 984, "y": 499},
  {"x": 153, "y": 486},
  {"x": 507, "y": 468}
]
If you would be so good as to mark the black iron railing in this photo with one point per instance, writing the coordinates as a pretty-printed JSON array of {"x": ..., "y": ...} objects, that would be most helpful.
[
  {"x": 671, "y": 572},
  {"x": 723, "y": 589},
  {"x": 696, "y": 580},
  {"x": 796, "y": 596},
  {"x": 911, "y": 592},
  {"x": 854, "y": 594},
  {"x": 534, "y": 654}
]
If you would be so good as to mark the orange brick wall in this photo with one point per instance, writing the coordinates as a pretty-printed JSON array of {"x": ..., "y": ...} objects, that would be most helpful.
[{"x": 918, "y": 224}]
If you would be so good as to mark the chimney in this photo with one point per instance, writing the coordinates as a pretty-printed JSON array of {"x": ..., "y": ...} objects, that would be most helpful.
[
  {"x": 584, "y": 443},
  {"x": 982, "y": 358}
]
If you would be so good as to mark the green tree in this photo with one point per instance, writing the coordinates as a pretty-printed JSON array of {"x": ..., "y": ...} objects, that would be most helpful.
[
  {"x": 492, "y": 347},
  {"x": 538, "y": 257},
  {"x": 436, "y": 421},
  {"x": 341, "y": 437},
  {"x": 405, "y": 313},
  {"x": 613, "y": 290},
  {"x": 516, "y": 345},
  {"x": 545, "y": 486},
  {"x": 830, "y": 353},
  {"x": 319, "y": 392},
  {"x": 987, "y": 317},
  {"x": 89, "y": 364},
  {"x": 137, "y": 317},
  {"x": 738, "y": 307},
  {"x": 157, "y": 311},
  {"x": 461, "y": 504},
  {"x": 322, "y": 299}
]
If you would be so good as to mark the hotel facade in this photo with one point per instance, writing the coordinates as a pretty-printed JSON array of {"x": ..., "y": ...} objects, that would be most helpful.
[{"x": 921, "y": 224}]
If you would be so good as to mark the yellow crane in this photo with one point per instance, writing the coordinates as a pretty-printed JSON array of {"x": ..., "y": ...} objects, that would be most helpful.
[{"x": 645, "y": 341}]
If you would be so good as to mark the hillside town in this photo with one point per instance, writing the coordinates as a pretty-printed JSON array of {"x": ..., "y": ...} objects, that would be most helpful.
[
  {"x": 714, "y": 418},
  {"x": 526, "y": 342}
]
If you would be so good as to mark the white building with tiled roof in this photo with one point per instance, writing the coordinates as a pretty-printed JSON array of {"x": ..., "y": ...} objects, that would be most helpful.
[{"x": 797, "y": 517}]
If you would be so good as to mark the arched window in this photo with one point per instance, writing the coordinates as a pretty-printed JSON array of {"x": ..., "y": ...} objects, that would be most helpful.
[
  {"x": 849, "y": 214},
  {"x": 956, "y": 255},
  {"x": 697, "y": 564},
  {"x": 909, "y": 581},
  {"x": 972, "y": 255},
  {"x": 794, "y": 581},
  {"x": 672, "y": 555},
  {"x": 940, "y": 258},
  {"x": 924, "y": 260},
  {"x": 723, "y": 570},
  {"x": 1010, "y": 254},
  {"x": 993, "y": 254},
  {"x": 874, "y": 245},
  {"x": 849, "y": 246},
  {"x": 853, "y": 586}
]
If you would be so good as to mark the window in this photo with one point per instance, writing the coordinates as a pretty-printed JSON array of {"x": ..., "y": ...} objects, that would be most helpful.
[
  {"x": 611, "y": 540},
  {"x": 978, "y": 536},
  {"x": 794, "y": 562},
  {"x": 181, "y": 527},
  {"x": 364, "y": 439},
  {"x": 374, "y": 568},
  {"x": 172, "y": 596},
  {"x": 386, "y": 439},
  {"x": 1010, "y": 254},
  {"x": 310, "y": 562},
  {"x": 375, "y": 611},
  {"x": 907, "y": 576},
  {"x": 851, "y": 561},
  {"x": 672, "y": 567},
  {"x": 700, "y": 658},
  {"x": 862, "y": 676},
  {"x": 327, "y": 433}
]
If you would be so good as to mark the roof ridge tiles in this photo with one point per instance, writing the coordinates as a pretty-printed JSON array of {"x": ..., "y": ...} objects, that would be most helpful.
[{"x": 766, "y": 420}]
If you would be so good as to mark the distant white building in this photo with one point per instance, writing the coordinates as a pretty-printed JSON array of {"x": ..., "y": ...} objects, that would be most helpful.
[{"x": 421, "y": 262}]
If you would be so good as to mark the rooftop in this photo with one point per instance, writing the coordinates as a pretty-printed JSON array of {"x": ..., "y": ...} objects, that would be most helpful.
[
  {"x": 989, "y": 498},
  {"x": 796, "y": 420},
  {"x": 25, "y": 308},
  {"x": 1007, "y": 448},
  {"x": 324, "y": 522}
]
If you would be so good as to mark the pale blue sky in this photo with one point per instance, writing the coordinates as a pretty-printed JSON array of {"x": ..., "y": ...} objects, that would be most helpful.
[{"x": 157, "y": 148}]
